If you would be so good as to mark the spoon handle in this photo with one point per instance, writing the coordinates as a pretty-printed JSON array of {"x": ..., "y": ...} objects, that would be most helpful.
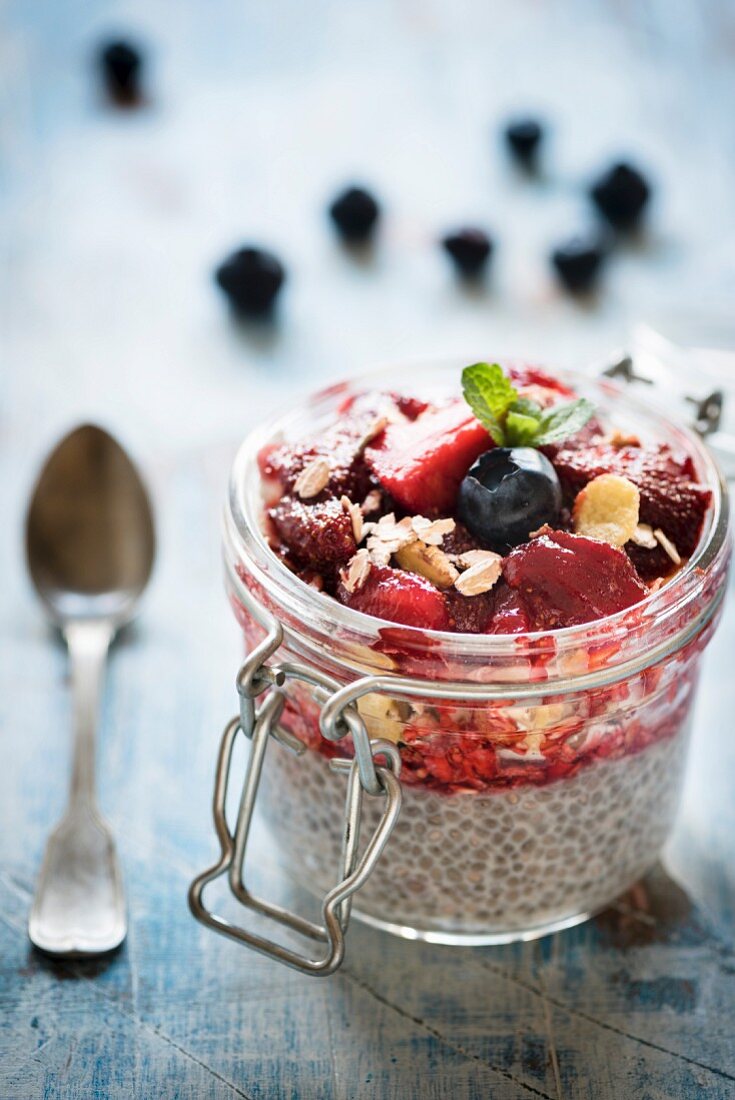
[{"x": 88, "y": 643}]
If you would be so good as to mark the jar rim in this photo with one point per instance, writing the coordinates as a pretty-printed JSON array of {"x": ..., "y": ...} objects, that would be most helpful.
[{"x": 320, "y": 614}]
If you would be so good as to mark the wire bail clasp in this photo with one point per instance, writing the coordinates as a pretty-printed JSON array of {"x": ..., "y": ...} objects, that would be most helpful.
[{"x": 260, "y": 724}]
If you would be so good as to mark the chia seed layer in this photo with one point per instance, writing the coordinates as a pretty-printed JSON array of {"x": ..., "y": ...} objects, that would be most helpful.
[{"x": 485, "y": 864}]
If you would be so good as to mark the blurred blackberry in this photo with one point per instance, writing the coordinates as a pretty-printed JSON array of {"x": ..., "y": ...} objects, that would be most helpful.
[
  {"x": 578, "y": 262},
  {"x": 523, "y": 137},
  {"x": 470, "y": 249},
  {"x": 120, "y": 65},
  {"x": 621, "y": 194},
  {"x": 355, "y": 213},
  {"x": 251, "y": 278}
]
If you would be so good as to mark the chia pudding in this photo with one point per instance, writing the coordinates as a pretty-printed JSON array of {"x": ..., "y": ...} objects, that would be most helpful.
[{"x": 558, "y": 559}]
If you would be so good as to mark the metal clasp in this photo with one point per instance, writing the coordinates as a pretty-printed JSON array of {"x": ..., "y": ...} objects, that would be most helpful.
[{"x": 260, "y": 725}]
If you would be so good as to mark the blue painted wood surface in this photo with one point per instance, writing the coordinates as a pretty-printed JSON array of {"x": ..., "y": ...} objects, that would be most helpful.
[{"x": 112, "y": 224}]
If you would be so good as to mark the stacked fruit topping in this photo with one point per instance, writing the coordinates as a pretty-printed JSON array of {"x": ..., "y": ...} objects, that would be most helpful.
[{"x": 508, "y": 512}]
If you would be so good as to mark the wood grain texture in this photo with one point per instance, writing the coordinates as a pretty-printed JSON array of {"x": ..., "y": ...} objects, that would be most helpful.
[{"x": 111, "y": 224}]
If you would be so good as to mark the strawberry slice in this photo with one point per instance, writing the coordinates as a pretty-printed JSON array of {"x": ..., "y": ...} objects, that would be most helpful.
[
  {"x": 670, "y": 497},
  {"x": 422, "y": 462},
  {"x": 566, "y": 580},
  {"x": 399, "y": 597}
]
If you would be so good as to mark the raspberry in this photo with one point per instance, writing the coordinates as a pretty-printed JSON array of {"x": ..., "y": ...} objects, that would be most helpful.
[{"x": 319, "y": 535}]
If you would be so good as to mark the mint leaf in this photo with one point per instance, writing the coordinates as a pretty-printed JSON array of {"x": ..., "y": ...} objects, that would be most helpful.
[
  {"x": 527, "y": 407},
  {"x": 490, "y": 394},
  {"x": 563, "y": 420},
  {"x": 520, "y": 430}
]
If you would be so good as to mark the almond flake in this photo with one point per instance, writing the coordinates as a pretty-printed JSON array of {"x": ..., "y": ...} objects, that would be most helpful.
[
  {"x": 373, "y": 429},
  {"x": 353, "y": 511},
  {"x": 386, "y": 537},
  {"x": 480, "y": 577},
  {"x": 429, "y": 562},
  {"x": 372, "y": 502},
  {"x": 607, "y": 509},
  {"x": 357, "y": 571},
  {"x": 644, "y": 536},
  {"x": 432, "y": 532},
  {"x": 313, "y": 478},
  {"x": 667, "y": 545},
  {"x": 654, "y": 586},
  {"x": 473, "y": 557}
]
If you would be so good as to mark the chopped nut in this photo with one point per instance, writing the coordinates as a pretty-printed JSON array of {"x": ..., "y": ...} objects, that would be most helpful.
[
  {"x": 429, "y": 562},
  {"x": 654, "y": 586},
  {"x": 430, "y": 531},
  {"x": 383, "y": 717},
  {"x": 357, "y": 571},
  {"x": 667, "y": 545},
  {"x": 607, "y": 509},
  {"x": 313, "y": 478},
  {"x": 353, "y": 511},
  {"x": 644, "y": 536},
  {"x": 480, "y": 577},
  {"x": 372, "y": 502},
  {"x": 619, "y": 439}
]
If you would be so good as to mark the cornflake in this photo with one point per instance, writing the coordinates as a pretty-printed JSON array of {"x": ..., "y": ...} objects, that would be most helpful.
[
  {"x": 481, "y": 576},
  {"x": 429, "y": 562},
  {"x": 313, "y": 478},
  {"x": 607, "y": 509},
  {"x": 353, "y": 511},
  {"x": 357, "y": 571}
]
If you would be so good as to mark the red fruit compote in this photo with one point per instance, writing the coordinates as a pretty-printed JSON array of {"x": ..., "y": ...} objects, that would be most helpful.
[{"x": 542, "y": 694}]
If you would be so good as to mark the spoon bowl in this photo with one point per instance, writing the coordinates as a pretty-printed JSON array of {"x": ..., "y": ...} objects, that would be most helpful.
[{"x": 90, "y": 547}]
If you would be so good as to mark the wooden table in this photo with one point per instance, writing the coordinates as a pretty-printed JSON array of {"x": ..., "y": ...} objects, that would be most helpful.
[{"x": 112, "y": 224}]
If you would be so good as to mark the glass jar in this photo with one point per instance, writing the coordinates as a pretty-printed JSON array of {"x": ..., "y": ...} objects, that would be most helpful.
[{"x": 540, "y": 772}]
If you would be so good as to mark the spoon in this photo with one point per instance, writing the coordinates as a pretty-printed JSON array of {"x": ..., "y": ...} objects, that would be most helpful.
[{"x": 90, "y": 546}]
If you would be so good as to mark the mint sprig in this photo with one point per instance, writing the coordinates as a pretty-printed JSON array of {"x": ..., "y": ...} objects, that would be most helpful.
[{"x": 515, "y": 421}]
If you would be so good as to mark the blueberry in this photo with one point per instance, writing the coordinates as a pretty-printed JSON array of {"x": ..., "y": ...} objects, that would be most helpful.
[
  {"x": 355, "y": 213},
  {"x": 507, "y": 494},
  {"x": 470, "y": 250},
  {"x": 120, "y": 63},
  {"x": 621, "y": 194},
  {"x": 523, "y": 136},
  {"x": 251, "y": 278},
  {"x": 578, "y": 262}
]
